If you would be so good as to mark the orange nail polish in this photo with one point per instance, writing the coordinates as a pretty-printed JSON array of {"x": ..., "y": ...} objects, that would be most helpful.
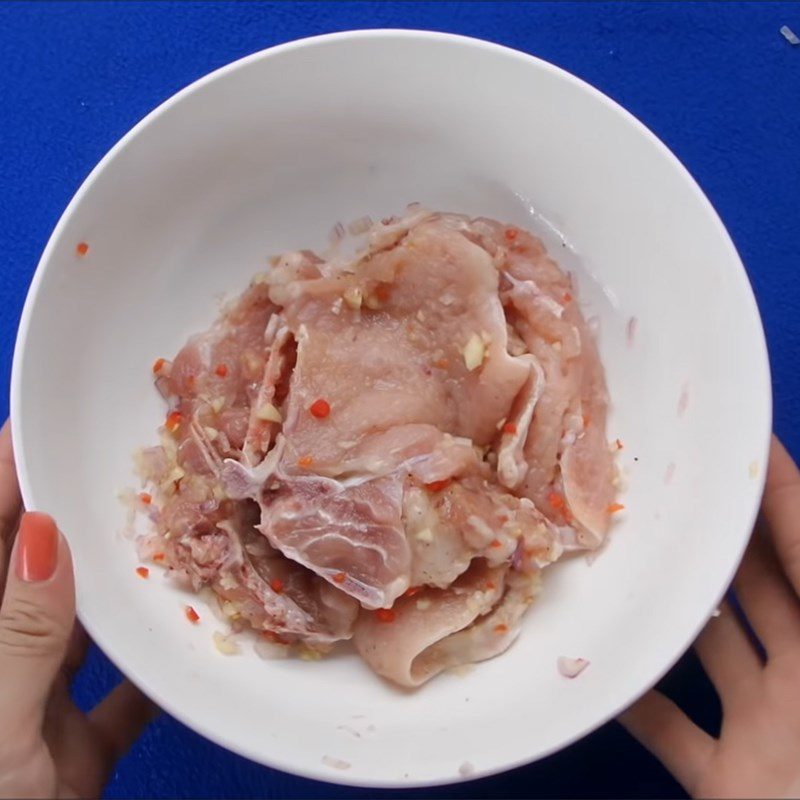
[{"x": 37, "y": 547}]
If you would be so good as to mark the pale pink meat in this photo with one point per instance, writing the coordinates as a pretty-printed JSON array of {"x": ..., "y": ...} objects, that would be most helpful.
[
  {"x": 215, "y": 377},
  {"x": 352, "y": 536},
  {"x": 279, "y": 357},
  {"x": 422, "y": 451},
  {"x": 404, "y": 649},
  {"x": 222, "y": 549},
  {"x": 487, "y": 637},
  {"x": 349, "y": 529},
  {"x": 389, "y": 447},
  {"x": 398, "y": 358},
  {"x": 277, "y": 595},
  {"x": 566, "y": 451},
  {"x": 392, "y": 370},
  {"x": 473, "y": 518},
  {"x": 587, "y": 467},
  {"x": 512, "y": 464}
]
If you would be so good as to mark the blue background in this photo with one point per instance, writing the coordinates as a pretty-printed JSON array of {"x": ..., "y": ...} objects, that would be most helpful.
[{"x": 716, "y": 81}]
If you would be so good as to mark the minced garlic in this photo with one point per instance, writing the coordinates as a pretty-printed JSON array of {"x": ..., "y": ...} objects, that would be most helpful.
[
  {"x": 353, "y": 297},
  {"x": 225, "y": 644},
  {"x": 269, "y": 413},
  {"x": 474, "y": 352}
]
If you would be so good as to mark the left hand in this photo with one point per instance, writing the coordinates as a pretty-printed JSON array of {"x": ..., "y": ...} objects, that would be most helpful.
[{"x": 48, "y": 747}]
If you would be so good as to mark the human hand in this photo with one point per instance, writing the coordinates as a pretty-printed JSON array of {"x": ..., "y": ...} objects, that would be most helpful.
[
  {"x": 48, "y": 747},
  {"x": 758, "y": 751}
]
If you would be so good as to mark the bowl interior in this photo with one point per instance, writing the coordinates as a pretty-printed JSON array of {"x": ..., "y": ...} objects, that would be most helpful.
[{"x": 267, "y": 155}]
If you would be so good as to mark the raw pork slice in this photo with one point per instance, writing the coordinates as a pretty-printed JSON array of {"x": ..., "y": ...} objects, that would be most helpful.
[{"x": 389, "y": 447}]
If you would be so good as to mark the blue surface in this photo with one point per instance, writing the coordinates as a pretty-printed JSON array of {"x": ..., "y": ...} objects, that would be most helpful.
[{"x": 715, "y": 81}]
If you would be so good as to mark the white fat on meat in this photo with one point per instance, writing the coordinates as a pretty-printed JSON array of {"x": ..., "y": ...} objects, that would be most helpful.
[
  {"x": 351, "y": 536},
  {"x": 279, "y": 596},
  {"x": 269, "y": 591}
]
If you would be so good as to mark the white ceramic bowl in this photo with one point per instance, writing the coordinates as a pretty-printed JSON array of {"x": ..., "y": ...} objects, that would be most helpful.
[{"x": 266, "y": 154}]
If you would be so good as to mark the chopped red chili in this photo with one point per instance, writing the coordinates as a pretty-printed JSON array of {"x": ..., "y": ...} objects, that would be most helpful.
[
  {"x": 158, "y": 557},
  {"x": 339, "y": 577},
  {"x": 81, "y": 248},
  {"x": 495, "y": 543},
  {"x": 320, "y": 408},
  {"x": 305, "y": 461},
  {"x": 142, "y": 572},
  {"x": 411, "y": 591},
  {"x": 614, "y": 507},
  {"x": 511, "y": 234},
  {"x": 385, "y": 615},
  {"x": 276, "y": 584},
  {"x": 174, "y": 421},
  {"x": 158, "y": 365},
  {"x": 556, "y": 500},
  {"x": 501, "y": 628},
  {"x": 221, "y": 370},
  {"x": 192, "y": 615},
  {"x": 567, "y": 297},
  {"x": 146, "y": 498},
  {"x": 437, "y": 486},
  {"x": 509, "y": 427}
]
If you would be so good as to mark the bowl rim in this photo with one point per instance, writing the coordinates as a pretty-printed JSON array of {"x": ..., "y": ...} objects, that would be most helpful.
[{"x": 94, "y": 626}]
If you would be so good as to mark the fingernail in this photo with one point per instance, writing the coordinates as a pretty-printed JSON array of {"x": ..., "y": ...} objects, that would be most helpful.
[{"x": 37, "y": 547}]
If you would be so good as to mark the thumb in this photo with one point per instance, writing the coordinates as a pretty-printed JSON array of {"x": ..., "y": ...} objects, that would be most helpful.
[{"x": 36, "y": 620}]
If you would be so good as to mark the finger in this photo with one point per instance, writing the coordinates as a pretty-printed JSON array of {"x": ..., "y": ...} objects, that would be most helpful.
[
  {"x": 728, "y": 657},
  {"x": 766, "y": 598},
  {"x": 6, "y": 543},
  {"x": 10, "y": 501},
  {"x": 72, "y": 745},
  {"x": 781, "y": 509},
  {"x": 76, "y": 652},
  {"x": 120, "y": 718},
  {"x": 660, "y": 726},
  {"x": 36, "y": 618}
]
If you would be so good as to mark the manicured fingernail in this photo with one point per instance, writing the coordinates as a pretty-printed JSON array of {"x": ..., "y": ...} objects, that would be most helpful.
[{"x": 37, "y": 547}]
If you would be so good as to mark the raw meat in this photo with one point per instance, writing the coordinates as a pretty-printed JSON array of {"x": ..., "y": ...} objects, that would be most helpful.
[{"x": 390, "y": 447}]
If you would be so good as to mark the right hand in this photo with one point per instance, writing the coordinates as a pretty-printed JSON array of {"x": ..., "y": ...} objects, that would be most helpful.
[{"x": 758, "y": 751}]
